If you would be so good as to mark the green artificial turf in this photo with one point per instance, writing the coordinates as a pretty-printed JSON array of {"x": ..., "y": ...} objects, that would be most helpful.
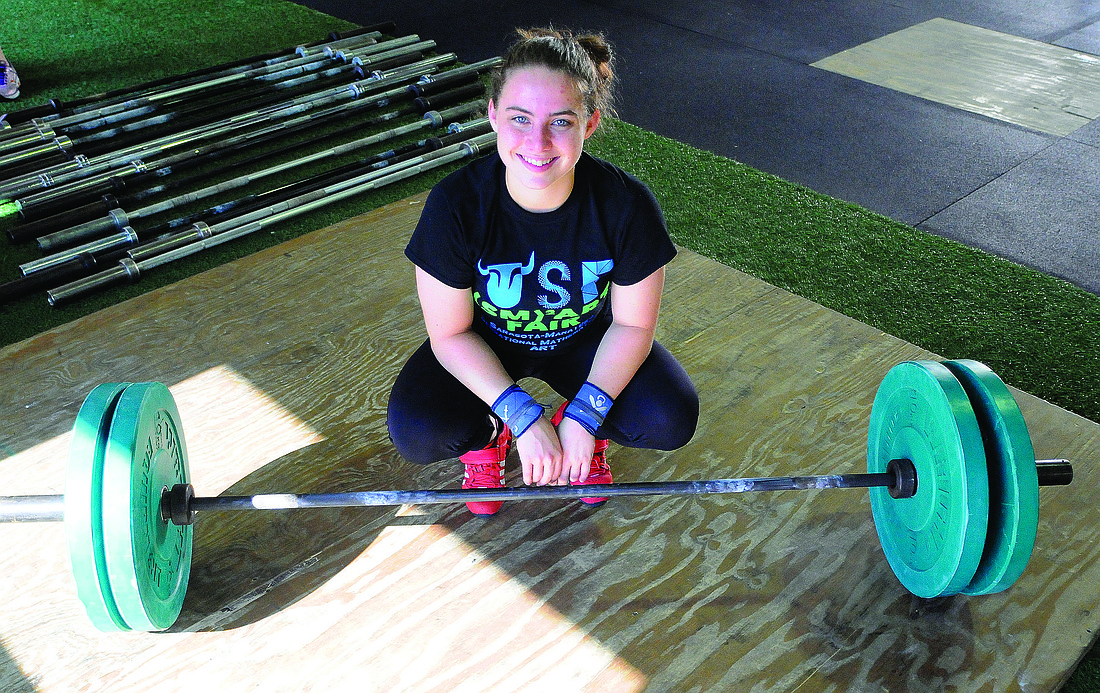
[
  {"x": 66, "y": 50},
  {"x": 1039, "y": 333}
]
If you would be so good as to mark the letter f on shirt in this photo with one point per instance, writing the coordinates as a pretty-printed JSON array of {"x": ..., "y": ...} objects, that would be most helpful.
[{"x": 505, "y": 281}]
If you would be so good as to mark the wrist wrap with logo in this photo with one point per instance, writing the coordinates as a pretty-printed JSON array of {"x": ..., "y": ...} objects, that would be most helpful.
[
  {"x": 589, "y": 408},
  {"x": 517, "y": 409}
]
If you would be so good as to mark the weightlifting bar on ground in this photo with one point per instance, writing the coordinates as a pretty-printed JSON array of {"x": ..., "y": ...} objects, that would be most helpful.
[
  {"x": 179, "y": 504},
  {"x": 953, "y": 480}
]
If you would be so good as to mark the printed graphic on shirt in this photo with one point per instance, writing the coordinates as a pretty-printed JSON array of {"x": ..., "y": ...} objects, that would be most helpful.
[
  {"x": 562, "y": 294},
  {"x": 504, "y": 282},
  {"x": 540, "y": 309},
  {"x": 590, "y": 272}
]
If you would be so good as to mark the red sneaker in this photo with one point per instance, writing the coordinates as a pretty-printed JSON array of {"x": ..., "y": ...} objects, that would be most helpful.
[
  {"x": 600, "y": 472},
  {"x": 485, "y": 469}
]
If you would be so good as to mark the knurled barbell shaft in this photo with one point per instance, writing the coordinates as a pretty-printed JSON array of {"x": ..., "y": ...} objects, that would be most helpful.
[
  {"x": 669, "y": 488},
  {"x": 51, "y": 508}
]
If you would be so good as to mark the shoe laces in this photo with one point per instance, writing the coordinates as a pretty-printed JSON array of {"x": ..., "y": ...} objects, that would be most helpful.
[
  {"x": 488, "y": 475},
  {"x": 600, "y": 469},
  {"x": 493, "y": 453},
  {"x": 599, "y": 464}
]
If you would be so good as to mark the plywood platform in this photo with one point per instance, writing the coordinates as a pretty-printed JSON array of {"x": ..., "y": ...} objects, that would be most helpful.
[{"x": 281, "y": 364}]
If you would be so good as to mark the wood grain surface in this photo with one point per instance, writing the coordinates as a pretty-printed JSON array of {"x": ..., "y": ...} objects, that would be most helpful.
[{"x": 281, "y": 365}]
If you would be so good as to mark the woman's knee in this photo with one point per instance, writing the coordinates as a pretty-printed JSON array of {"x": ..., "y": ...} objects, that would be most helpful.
[
  {"x": 675, "y": 419},
  {"x": 430, "y": 415},
  {"x": 660, "y": 418}
]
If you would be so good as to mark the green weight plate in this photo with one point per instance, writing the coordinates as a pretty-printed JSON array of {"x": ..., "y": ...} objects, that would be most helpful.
[
  {"x": 84, "y": 504},
  {"x": 934, "y": 540},
  {"x": 1013, "y": 480},
  {"x": 148, "y": 559}
]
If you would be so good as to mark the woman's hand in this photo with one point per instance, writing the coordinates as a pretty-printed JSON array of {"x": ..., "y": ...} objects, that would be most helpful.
[
  {"x": 577, "y": 447},
  {"x": 540, "y": 454}
]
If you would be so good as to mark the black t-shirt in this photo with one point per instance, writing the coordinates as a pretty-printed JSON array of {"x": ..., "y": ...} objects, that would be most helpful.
[{"x": 538, "y": 279}]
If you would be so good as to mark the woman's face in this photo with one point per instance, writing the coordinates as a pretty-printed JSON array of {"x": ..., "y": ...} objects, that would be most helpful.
[{"x": 541, "y": 125}]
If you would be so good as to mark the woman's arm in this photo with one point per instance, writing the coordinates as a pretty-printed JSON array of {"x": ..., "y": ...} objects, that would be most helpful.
[
  {"x": 449, "y": 318},
  {"x": 627, "y": 343},
  {"x": 624, "y": 347}
]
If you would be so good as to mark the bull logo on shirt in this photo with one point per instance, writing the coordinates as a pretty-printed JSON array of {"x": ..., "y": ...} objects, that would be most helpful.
[{"x": 505, "y": 281}]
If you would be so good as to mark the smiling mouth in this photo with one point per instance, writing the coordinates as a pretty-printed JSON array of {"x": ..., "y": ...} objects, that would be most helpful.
[{"x": 537, "y": 163}]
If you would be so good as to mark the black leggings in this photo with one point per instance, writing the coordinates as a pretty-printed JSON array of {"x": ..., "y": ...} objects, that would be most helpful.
[{"x": 432, "y": 416}]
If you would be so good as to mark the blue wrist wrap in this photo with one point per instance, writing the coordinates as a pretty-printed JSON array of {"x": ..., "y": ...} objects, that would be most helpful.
[
  {"x": 589, "y": 407},
  {"x": 517, "y": 409}
]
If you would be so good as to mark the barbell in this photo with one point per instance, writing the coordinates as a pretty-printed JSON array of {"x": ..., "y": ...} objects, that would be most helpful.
[{"x": 953, "y": 479}]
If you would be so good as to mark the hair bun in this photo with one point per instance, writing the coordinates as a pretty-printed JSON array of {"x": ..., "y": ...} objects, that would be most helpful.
[{"x": 599, "y": 50}]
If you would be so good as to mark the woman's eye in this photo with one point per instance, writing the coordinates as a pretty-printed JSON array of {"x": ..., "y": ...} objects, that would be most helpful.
[
  {"x": 563, "y": 123},
  {"x": 520, "y": 120}
]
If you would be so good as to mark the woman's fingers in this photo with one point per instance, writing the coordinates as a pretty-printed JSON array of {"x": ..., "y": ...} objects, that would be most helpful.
[
  {"x": 540, "y": 453},
  {"x": 577, "y": 447}
]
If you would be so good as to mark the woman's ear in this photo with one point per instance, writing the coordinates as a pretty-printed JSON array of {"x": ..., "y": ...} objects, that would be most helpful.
[
  {"x": 593, "y": 123},
  {"x": 492, "y": 115}
]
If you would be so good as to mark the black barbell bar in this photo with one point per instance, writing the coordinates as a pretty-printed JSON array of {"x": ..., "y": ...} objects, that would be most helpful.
[
  {"x": 202, "y": 237},
  {"x": 38, "y": 206},
  {"x": 161, "y": 235},
  {"x": 81, "y": 264},
  {"x": 54, "y": 109},
  {"x": 180, "y": 506},
  {"x": 365, "y": 92},
  {"x": 118, "y": 219},
  {"x": 119, "y": 110}
]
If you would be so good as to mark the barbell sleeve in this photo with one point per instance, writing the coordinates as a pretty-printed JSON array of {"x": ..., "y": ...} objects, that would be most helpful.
[{"x": 32, "y": 509}]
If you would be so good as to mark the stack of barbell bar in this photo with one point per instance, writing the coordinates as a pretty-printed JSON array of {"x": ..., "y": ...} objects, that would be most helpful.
[{"x": 96, "y": 182}]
